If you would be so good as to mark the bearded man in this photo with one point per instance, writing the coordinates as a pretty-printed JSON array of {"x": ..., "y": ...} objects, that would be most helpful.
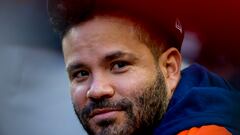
[{"x": 124, "y": 67}]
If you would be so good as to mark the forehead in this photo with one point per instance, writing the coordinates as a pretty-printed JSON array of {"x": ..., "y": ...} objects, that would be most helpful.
[
  {"x": 99, "y": 36},
  {"x": 104, "y": 27}
]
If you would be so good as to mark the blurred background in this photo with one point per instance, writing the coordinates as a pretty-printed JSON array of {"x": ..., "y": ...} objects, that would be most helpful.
[{"x": 34, "y": 89}]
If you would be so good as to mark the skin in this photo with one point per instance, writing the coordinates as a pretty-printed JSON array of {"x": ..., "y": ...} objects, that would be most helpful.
[{"x": 106, "y": 62}]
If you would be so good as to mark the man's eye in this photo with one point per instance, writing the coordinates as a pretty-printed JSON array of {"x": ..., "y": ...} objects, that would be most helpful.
[
  {"x": 80, "y": 75},
  {"x": 119, "y": 66}
]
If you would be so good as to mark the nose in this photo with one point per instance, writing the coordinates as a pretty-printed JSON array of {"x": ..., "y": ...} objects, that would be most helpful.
[{"x": 100, "y": 88}]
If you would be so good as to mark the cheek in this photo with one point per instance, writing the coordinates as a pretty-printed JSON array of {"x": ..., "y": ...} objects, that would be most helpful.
[
  {"x": 134, "y": 84},
  {"x": 78, "y": 95}
]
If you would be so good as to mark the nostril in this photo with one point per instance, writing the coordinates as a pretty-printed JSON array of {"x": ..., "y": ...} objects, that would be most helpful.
[{"x": 99, "y": 99}]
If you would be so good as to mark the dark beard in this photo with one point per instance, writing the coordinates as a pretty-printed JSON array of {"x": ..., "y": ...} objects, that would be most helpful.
[{"x": 149, "y": 109}]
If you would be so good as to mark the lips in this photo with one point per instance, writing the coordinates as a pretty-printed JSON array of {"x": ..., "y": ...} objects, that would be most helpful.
[{"x": 102, "y": 111}]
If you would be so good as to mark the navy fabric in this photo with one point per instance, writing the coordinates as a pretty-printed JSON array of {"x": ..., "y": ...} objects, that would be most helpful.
[{"x": 201, "y": 98}]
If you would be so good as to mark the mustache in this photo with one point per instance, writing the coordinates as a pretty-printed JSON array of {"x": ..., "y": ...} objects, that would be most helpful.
[{"x": 122, "y": 104}]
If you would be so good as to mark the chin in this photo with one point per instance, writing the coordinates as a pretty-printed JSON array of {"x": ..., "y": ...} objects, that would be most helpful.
[{"x": 112, "y": 126}]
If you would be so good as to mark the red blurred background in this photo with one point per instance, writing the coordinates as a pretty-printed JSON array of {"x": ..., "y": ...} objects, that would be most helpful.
[{"x": 217, "y": 25}]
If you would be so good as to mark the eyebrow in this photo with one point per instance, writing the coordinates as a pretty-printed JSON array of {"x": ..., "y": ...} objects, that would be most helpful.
[
  {"x": 74, "y": 66},
  {"x": 119, "y": 54},
  {"x": 109, "y": 57}
]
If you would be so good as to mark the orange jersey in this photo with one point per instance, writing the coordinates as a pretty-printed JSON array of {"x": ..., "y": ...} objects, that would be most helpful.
[{"x": 206, "y": 130}]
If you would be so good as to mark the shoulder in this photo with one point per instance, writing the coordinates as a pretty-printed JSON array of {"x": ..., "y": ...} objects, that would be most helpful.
[{"x": 206, "y": 130}]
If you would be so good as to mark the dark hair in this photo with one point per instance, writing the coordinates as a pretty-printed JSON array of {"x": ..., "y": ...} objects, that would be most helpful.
[{"x": 64, "y": 14}]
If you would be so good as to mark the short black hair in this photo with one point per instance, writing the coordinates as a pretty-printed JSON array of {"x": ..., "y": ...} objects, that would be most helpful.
[{"x": 64, "y": 14}]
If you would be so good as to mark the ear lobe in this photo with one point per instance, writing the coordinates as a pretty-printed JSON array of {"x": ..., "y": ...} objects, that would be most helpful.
[{"x": 170, "y": 64}]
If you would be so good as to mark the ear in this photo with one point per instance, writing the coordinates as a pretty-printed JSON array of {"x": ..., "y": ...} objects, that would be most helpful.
[{"x": 170, "y": 65}]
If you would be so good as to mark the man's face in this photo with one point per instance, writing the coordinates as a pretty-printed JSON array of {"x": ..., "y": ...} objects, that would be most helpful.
[{"x": 117, "y": 87}]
